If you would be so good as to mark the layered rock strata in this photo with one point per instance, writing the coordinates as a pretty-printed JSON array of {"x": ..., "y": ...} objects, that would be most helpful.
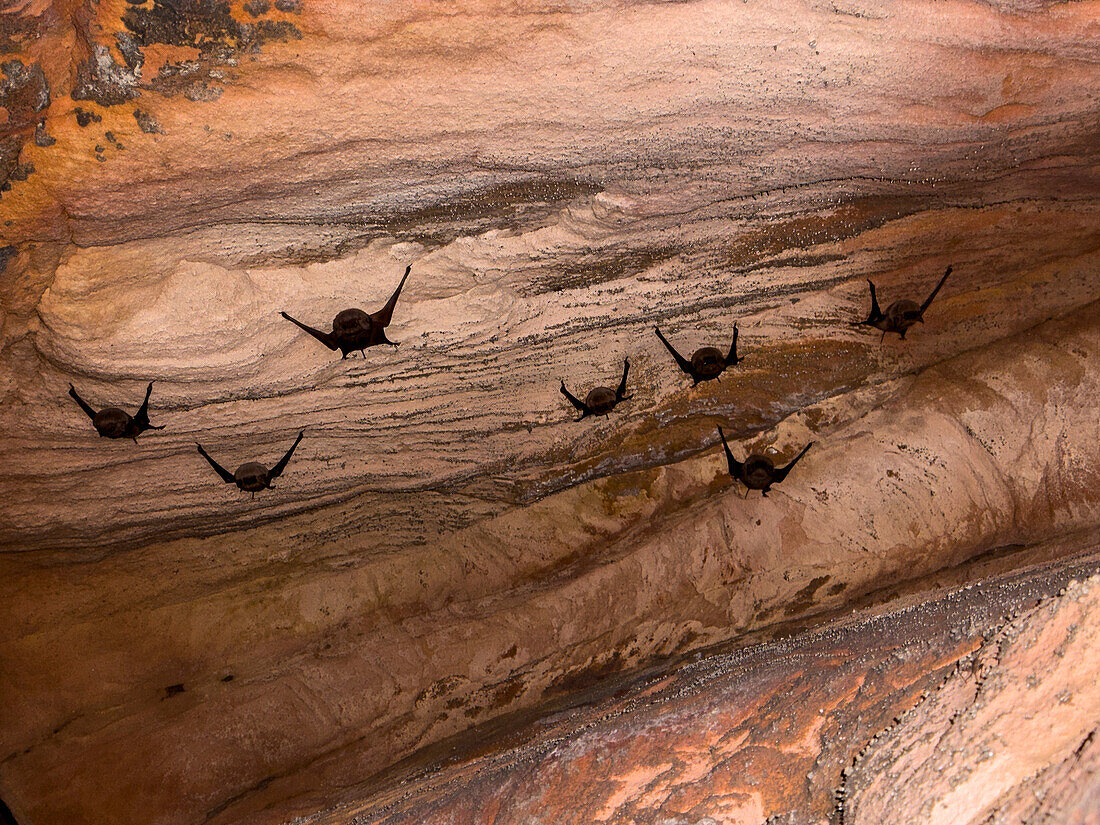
[
  {"x": 448, "y": 546},
  {"x": 972, "y": 706}
]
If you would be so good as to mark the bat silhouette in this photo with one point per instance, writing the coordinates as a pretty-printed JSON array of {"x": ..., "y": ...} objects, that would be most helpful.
[
  {"x": 706, "y": 363},
  {"x": 758, "y": 472},
  {"x": 111, "y": 422},
  {"x": 601, "y": 400},
  {"x": 252, "y": 476},
  {"x": 900, "y": 315},
  {"x": 354, "y": 329}
]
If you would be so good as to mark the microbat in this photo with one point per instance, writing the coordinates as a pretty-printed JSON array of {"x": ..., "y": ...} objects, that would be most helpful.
[
  {"x": 111, "y": 422},
  {"x": 601, "y": 400},
  {"x": 252, "y": 476},
  {"x": 900, "y": 315},
  {"x": 706, "y": 363},
  {"x": 758, "y": 472},
  {"x": 354, "y": 329}
]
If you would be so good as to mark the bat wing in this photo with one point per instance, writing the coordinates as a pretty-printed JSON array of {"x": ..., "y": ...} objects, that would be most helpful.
[
  {"x": 735, "y": 467},
  {"x": 277, "y": 470},
  {"x": 928, "y": 302},
  {"x": 324, "y": 337},
  {"x": 576, "y": 402},
  {"x": 620, "y": 393},
  {"x": 227, "y": 476},
  {"x": 781, "y": 472},
  {"x": 684, "y": 364},
  {"x": 84, "y": 405},
  {"x": 385, "y": 314},
  {"x": 731, "y": 358},
  {"x": 876, "y": 312}
]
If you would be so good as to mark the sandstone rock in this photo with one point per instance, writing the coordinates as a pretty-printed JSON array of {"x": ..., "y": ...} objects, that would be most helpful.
[
  {"x": 449, "y": 547},
  {"x": 946, "y": 717}
]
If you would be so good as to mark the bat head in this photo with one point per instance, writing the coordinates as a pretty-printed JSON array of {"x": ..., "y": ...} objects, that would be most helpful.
[
  {"x": 111, "y": 422},
  {"x": 352, "y": 325},
  {"x": 251, "y": 477},
  {"x": 707, "y": 362}
]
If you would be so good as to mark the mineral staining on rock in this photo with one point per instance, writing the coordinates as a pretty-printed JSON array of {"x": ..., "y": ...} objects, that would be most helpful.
[
  {"x": 454, "y": 549},
  {"x": 914, "y": 710},
  {"x": 24, "y": 93},
  {"x": 206, "y": 26}
]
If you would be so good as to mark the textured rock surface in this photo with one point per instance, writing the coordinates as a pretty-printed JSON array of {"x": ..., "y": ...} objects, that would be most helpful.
[
  {"x": 448, "y": 546},
  {"x": 946, "y": 710}
]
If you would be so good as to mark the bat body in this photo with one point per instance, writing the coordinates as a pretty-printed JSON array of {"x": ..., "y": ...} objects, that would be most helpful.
[
  {"x": 758, "y": 472},
  {"x": 706, "y": 363},
  {"x": 112, "y": 422},
  {"x": 601, "y": 400},
  {"x": 252, "y": 476},
  {"x": 900, "y": 315},
  {"x": 354, "y": 329}
]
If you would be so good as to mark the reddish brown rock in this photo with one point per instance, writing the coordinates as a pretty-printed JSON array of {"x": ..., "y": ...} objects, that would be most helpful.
[
  {"x": 449, "y": 547},
  {"x": 939, "y": 712}
]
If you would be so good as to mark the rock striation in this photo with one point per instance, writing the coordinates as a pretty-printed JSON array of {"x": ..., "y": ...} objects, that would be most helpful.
[
  {"x": 449, "y": 547},
  {"x": 975, "y": 705}
]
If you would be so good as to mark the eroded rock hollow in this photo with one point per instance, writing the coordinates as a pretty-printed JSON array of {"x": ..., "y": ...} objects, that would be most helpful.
[{"x": 458, "y": 603}]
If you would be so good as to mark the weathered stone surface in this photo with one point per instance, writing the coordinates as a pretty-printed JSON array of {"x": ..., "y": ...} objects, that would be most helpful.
[
  {"x": 448, "y": 545},
  {"x": 946, "y": 710},
  {"x": 605, "y": 576},
  {"x": 1009, "y": 737}
]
